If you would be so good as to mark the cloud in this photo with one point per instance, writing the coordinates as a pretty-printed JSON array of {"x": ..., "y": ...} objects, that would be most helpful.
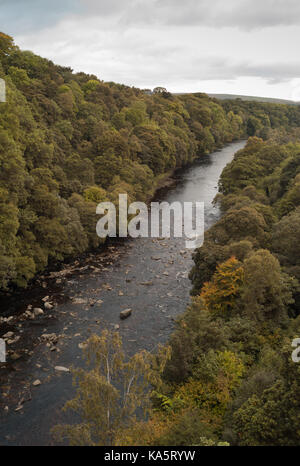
[
  {"x": 249, "y": 15},
  {"x": 226, "y": 69},
  {"x": 24, "y": 16},
  {"x": 181, "y": 44},
  {"x": 241, "y": 14},
  {"x": 105, "y": 8}
]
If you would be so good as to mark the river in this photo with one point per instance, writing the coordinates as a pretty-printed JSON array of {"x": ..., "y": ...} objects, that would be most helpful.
[{"x": 150, "y": 276}]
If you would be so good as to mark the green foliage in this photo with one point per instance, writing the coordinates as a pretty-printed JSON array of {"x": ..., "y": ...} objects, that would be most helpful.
[
  {"x": 260, "y": 205},
  {"x": 69, "y": 141},
  {"x": 6, "y": 45},
  {"x": 267, "y": 291},
  {"x": 222, "y": 293},
  {"x": 107, "y": 410}
]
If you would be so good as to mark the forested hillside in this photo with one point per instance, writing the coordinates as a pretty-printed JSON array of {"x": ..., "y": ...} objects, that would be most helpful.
[
  {"x": 251, "y": 98},
  {"x": 69, "y": 141},
  {"x": 231, "y": 376}
]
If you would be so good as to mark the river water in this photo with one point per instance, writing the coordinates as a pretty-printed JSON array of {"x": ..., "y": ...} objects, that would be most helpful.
[{"x": 150, "y": 276}]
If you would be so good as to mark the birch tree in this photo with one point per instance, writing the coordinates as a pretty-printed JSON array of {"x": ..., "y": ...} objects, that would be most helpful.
[{"x": 110, "y": 390}]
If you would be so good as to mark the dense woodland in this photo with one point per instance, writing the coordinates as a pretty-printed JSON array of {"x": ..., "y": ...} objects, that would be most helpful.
[
  {"x": 231, "y": 376},
  {"x": 69, "y": 141}
]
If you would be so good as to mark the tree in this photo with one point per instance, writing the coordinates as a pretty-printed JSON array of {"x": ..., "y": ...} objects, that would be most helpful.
[
  {"x": 196, "y": 408},
  {"x": 110, "y": 391},
  {"x": 214, "y": 380},
  {"x": 221, "y": 295},
  {"x": 6, "y": 45},
  {"x": 197, "y": 332},
  {"x": 270, "y": 414},
  {"x": 245, "y": 223},
  {"x": 267, "y": 291},
  {"x": 159, "y": 90},
  {"x": 285, "y": 238}
]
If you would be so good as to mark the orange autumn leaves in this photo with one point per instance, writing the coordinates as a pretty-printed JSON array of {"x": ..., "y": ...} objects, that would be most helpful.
[{"x": 221, "y": 294}]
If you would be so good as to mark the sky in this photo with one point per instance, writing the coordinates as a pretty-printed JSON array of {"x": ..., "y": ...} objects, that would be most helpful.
[{"x": 248, "y": 47}]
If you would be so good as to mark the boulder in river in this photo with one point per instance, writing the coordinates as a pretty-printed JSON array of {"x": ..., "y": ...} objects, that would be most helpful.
[
  {"x": 61, "y": 369},
  {"x": 36, "y": 383},
  {"x": 28, "y": 315},
  {"x": 125, "y": 314},
  {"x": 48, "y": 305}
]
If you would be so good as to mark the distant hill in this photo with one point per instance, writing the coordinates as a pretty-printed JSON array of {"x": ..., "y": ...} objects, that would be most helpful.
[{"x": 253, "y": 98}]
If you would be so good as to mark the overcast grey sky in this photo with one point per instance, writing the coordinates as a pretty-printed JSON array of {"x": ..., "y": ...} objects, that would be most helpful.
[{"x": 218, "y": 46}]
